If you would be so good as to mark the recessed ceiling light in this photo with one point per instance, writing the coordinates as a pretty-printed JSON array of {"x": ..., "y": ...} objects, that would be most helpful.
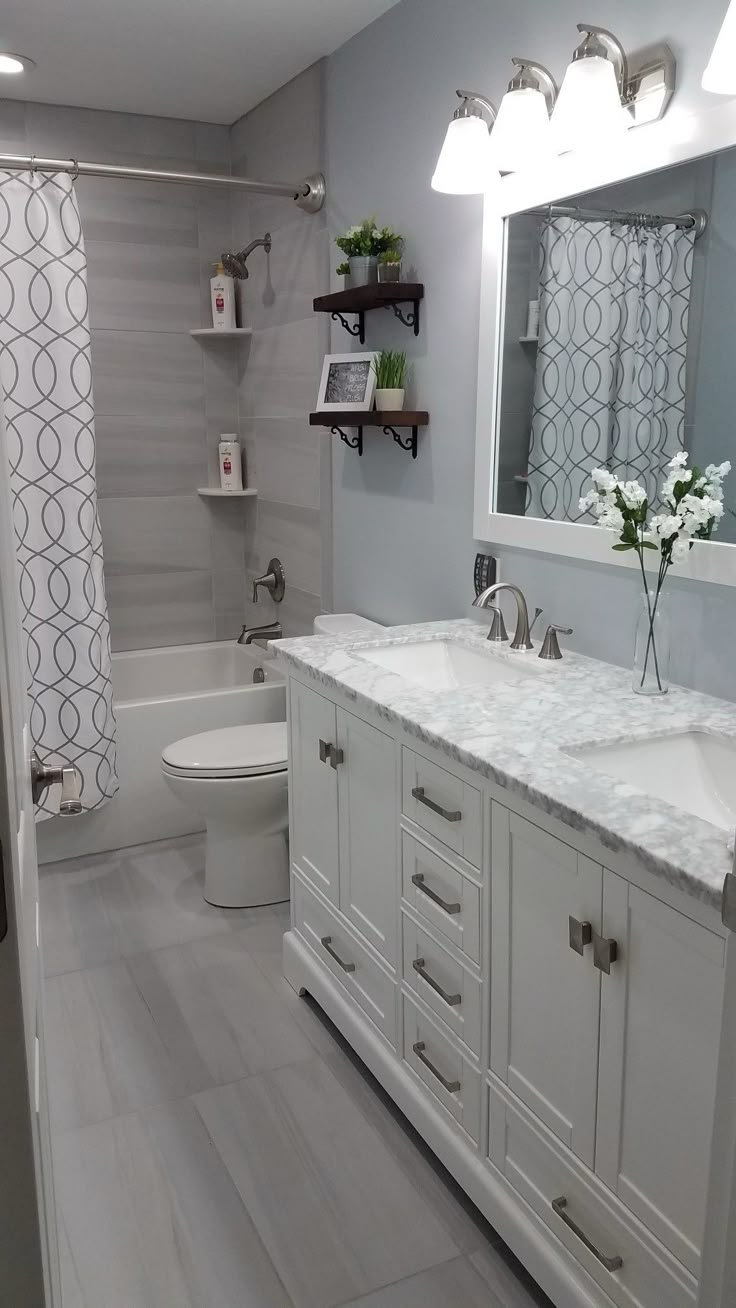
[{"x": 15, "y": 63}]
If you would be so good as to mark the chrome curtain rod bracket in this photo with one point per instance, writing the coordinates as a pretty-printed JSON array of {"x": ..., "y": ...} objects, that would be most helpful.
[{"x": 308, "y": 194}]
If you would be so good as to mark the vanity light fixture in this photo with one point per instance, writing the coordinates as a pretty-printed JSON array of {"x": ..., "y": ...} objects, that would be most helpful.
[
  {"x": 465, "y": 165},
  {"x": 13, "y": 64},
  {"x": 601, "y": 96},
  {"x": 720, "y": 72},
  {"x": 522, "y": 135}
]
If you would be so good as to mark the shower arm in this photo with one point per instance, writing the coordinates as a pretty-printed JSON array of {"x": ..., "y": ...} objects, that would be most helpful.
[{"x": 235, "y": 264}]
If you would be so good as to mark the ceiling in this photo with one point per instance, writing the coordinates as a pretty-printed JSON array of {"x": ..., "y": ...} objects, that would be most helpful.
[{"x": 208, "y": 60}]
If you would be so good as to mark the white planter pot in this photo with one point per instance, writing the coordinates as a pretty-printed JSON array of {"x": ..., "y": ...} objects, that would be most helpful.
[{"x": 390, "y": 399}]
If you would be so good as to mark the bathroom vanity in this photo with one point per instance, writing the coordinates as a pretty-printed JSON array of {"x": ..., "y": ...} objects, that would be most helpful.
[{"x": 524, "y": 948}]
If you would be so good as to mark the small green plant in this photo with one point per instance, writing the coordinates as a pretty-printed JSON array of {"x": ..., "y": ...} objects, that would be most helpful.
[
  {"x": 390, "y": 256},
  {"x": 390, "y": 367},
  {"x": 367, "y": 239},
  {"x": 343, "y": 269}
]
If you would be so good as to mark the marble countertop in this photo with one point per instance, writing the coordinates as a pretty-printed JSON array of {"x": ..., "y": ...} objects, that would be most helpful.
[{"x": 517, "y": 734}]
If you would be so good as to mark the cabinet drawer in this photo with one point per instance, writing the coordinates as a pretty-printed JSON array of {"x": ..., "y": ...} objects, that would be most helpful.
[
  {"x": 441, "y": 895},
  {"x": 442, "y": 804},
  {"x": 329, "y": 936},
  {"x": 565, "y": 1196},
  {"x": 446, "y": 987},
  {"x": 452, "y": 1079}
]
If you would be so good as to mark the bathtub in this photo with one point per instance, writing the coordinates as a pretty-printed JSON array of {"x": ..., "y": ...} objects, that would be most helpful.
[{"x": 162, "y": 695}]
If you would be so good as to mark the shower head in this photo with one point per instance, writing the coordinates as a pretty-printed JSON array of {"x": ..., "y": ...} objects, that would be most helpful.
[{"x": 235, "y": 264}]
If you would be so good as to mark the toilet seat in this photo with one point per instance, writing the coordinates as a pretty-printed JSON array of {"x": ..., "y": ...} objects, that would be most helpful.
[{"x": 248, "y": 751}]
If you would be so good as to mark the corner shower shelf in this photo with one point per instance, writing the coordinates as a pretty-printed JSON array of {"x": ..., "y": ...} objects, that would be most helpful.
[
  {"x": 529, "y": 340},
  {"x": 377, "y": 295},
  {"x": 215, "y": 333},
  {"x": 389, "y": 419},
  {"x": 217, "y": 493}
]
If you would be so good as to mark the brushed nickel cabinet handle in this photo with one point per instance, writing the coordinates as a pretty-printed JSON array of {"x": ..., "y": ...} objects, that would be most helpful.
[
  {"x": 418, "y": 881},
  {"x": 449, "y": 814},
  {"x": 419, "y": 1048},
  {"x": 452, "y": 1000},
  {"x": 326, "y": 942},
  {"x": 336, "y": 756},
  {"x": 605, "y": 952},
  {"x": 611, "y": 1264},
  {"x": 580, "y": 934},
  {"x": 324, "y": 751}
]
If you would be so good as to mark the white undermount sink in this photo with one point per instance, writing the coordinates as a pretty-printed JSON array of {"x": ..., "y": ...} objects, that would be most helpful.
[
  {"x": 446, "y": 664},
  {"x": 692, "y": 770}
]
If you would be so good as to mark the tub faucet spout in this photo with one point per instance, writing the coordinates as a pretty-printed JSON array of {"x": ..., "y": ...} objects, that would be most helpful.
[{"x": 271, "y": 631}]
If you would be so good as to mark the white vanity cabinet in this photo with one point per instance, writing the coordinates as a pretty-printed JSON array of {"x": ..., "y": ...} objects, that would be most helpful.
[{"x": 544, "y": 1012}]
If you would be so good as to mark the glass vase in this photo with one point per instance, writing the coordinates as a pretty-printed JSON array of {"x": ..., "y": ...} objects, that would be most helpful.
[{"x": 651, "y": 673}]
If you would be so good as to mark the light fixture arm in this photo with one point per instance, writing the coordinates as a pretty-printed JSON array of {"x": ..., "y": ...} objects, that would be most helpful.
[
  {"x": 599, "y": 41},
  {"x": 467, "y": 109},
  {"x": 535, "y": 77}
]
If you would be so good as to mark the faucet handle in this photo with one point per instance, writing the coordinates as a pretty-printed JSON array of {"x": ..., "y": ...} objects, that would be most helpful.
[
  {"x": 498, "y": 630},
  {"x": 550, "y": 645}
]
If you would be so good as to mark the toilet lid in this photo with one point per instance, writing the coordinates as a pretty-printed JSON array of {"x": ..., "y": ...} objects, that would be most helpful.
[{"x": 231, "y": 751}]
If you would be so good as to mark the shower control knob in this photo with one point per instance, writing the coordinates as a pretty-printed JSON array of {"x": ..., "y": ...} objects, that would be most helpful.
[{"x": 68, "y": 778}]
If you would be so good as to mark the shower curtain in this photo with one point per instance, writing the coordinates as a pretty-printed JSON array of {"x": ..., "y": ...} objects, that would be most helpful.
[
  {"x": 610, "y": 377},
  {"x": 46, "y": 381}
]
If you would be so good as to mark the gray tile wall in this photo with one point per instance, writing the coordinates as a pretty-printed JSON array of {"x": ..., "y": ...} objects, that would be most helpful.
[{"x": 175, "y": 565}]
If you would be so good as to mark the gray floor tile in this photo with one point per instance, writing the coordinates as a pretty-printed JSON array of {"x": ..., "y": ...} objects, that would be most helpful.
[
  {"x": 455, "y": 1283},
  {"x": 153, "y": 1219},
  {"x": 325, "y": 1192},
  {"x": 215, "y": 1012},
  {"x": 506, "y": 1278},
  {"x": 106, "y": 1055},
  {"x": 264, "y": 942}
]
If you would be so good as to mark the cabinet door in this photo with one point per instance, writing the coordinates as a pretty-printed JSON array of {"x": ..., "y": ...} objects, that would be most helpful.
[
  {"x": 660, "y": 1030},
  {"x": 369, "y": 822},
  {"x": 313, "y": 789},
  {"x": 544, "y": 996}
]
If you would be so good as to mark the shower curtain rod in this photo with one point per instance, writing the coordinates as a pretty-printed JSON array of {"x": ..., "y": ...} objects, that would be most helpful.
[
  {"x": 308, "y": 194},
  {"x": 697, "y": 218}
]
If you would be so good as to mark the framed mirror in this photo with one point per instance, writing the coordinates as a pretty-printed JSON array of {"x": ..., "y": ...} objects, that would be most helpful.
[{"x": 608, "y": 339}]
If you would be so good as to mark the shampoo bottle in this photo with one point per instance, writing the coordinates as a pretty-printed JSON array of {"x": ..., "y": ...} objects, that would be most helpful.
[
  {"x": 231, "y": 463},
  {"x": 222, "y": 289}
]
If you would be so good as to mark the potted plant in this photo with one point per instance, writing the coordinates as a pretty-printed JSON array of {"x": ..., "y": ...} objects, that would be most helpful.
[
  {"x": 362, "y": 245},
  {"x": 389, "y": 265},
  {"x": 390, "y": 368},
  {"x": 343, "y": 270}
]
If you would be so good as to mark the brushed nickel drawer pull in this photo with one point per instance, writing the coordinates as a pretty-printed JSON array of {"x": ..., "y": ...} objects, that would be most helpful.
[
  {"x": 452, "y": 1000},
  {"x": 326, "y": 942},
  {"x": 324, "y": 751},
  {"x": 610, "y": 1264},
  {"x": 418, "y": 881},
  {"x": 419, "y": 1047},
  {"x": 449, "y": 814},
  {"x": 336, "y": 756},
  {"x": 580, "y": 934},
  {"x": 605, "y": 952}
]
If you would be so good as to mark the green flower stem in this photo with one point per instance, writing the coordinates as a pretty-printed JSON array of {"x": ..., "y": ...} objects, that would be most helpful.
[{"x": 651, "y": 610}]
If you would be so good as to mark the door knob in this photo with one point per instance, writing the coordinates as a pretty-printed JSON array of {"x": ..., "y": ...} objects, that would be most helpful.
[{"x": 43, "y": 776}]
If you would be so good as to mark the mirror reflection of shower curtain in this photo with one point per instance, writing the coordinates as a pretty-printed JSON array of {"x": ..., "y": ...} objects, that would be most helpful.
[
  {"x": 610, "y": 377},
  {"x": 46, "y": 380}
]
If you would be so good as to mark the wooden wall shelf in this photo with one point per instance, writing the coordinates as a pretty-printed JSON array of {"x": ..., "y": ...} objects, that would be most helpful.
[
  {"x": 391, "y": 420},
  {"x": 377, "y": 295}
]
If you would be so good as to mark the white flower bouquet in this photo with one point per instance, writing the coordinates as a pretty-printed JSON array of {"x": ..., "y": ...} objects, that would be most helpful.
[{"x": 692, "y": 508}]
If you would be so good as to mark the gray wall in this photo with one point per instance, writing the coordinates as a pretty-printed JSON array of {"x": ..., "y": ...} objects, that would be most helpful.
[{"x": 403, "y": 546}]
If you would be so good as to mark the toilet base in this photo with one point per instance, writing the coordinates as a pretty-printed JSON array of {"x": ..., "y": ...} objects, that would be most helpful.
[{"x": 245, "y": 871}]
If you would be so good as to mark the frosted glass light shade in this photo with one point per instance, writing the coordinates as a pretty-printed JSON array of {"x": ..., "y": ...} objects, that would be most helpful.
[
  {"x": 464, "y": 166},
  {"x": 720, "y": 72},
  {"x": 521, "y": 133},
  {"x": 588, "y": 112}
]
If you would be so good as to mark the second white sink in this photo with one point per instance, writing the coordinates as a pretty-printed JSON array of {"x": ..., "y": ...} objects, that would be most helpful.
[
  {"x": 692, "y": 770},
  {"x": 445, "y": 664}
]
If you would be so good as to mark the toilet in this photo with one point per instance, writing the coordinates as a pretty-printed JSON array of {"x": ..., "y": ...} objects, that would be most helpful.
[{"x": 237, "y": 779}]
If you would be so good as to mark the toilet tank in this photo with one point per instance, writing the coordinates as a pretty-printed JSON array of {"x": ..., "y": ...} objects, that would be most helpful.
[{"x": 340, "y": 624}]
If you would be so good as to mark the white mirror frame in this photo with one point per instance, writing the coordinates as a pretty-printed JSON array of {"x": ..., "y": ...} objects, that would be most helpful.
[{"x": 676, "y": 139}]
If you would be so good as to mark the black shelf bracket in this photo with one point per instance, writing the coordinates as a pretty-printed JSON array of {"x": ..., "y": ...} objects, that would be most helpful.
[
  {"x": 354, "y": 329},
  {"x": 354, "y": 442},
  {"x": 410, "y": 319},
  {"x": 409, "y": 444}
]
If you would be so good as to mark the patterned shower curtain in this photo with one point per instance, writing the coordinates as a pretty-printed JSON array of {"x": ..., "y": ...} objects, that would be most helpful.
[
  {"x": 610, "y": 379},
  {"x": 46, "y": 380}
]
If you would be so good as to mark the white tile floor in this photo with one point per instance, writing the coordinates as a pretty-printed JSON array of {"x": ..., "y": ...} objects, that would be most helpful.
[{"x": 216, "y": 1143}]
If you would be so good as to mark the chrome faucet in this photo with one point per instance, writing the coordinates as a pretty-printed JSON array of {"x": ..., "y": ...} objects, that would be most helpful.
[
  {"x": 271, "y": 631},
  {"x": 498, "y": 631}
]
